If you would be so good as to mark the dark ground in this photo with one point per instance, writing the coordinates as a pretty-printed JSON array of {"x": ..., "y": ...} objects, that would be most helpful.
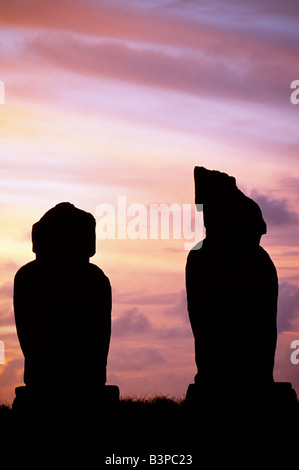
[{"x": 86, "y": 434}]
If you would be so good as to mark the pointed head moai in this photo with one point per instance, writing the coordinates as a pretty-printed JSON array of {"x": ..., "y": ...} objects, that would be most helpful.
[
  {"x": 228, "y": 213},
  {"x": 64, "y": 232}
]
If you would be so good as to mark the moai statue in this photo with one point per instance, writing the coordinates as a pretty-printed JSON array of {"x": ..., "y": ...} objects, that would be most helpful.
[
  {"x": 62, "y": 305},
  {"x": 232, "y": 291}
]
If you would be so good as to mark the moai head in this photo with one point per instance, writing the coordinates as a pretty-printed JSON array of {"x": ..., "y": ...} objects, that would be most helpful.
[
  {"x": 64, "y": 232},
  {"x": 228, "y": 213}
]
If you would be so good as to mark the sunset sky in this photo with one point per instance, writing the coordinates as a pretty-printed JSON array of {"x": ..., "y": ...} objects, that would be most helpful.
[{"x": 123, "y": 98}]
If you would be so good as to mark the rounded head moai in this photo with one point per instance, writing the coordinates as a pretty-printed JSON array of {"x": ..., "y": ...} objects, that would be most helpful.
[{"x": 64, "y": 231}]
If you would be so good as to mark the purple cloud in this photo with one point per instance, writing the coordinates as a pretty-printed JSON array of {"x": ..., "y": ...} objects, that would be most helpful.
[
  {"x": 275, "y": 211},
  {"x": 135, "y": 358},
  {"x": 131, "y": 322},
  {"x": 288, "y": 306}
]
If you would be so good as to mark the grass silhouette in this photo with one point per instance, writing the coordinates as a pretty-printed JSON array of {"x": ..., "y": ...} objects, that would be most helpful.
[{"x": 147, "y": 406}]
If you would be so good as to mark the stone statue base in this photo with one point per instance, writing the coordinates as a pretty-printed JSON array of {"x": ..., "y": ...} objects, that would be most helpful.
[
  {"x": 278, "y": 399},
  {"x": 64, "y": 399}
]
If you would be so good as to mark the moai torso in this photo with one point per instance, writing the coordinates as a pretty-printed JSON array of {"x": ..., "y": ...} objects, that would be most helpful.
[
  {"x": 62, "y": 304},
  {"x": 232, "y": 288}
]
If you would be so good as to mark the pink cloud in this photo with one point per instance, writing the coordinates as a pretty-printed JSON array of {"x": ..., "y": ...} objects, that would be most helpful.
[
  {"x": 131, "y": 322},
  {"x": 204, "y": 72},
  {"x": 288, "y": 306},
  {"x": 275, "y": 211},
  {"x": 136, "y": 359},
  {"x": 145, "y": 47}
]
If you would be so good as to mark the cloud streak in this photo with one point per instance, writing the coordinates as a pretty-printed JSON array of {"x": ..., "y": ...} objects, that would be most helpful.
[
  {"x": 275, "y": 211},
  {"x": 147, "y": 48},
  {"x": 202, "y": 71},
  {"x": 131, "y": 322}
]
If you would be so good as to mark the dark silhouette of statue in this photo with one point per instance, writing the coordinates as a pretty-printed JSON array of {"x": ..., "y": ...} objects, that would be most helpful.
[
  {"x": 232, "y": 291},
  {"x": 62, "y": 306}
]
